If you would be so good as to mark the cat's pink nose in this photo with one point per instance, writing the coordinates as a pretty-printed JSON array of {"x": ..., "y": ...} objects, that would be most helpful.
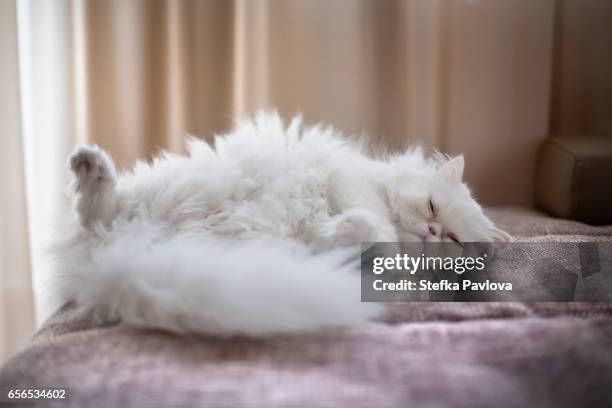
[{"x": 432, "y": 230}]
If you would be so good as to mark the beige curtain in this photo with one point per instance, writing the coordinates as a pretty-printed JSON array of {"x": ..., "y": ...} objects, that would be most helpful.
[
  {"x": 462, "y": 76},
  {"x": 489, "y": 78},
  {"x": 16, "y": 302}
]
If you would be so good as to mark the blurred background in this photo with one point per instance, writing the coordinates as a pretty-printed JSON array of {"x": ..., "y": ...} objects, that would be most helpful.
[{"x": 491, "y": 79}]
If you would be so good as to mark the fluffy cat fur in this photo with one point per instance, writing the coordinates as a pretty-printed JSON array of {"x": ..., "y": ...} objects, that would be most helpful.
[{"x": 252, "y": 236}]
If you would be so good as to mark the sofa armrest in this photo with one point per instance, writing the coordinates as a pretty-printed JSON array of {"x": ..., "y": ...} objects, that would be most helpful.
[{"x": 574, "y": 178}]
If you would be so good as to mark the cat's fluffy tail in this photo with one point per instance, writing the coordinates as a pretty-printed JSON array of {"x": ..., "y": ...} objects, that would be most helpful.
[{"x": 188, "y": 283}]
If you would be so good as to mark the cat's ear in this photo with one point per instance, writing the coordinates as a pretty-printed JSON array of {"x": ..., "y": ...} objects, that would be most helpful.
[{"x": 452, "y": 170}]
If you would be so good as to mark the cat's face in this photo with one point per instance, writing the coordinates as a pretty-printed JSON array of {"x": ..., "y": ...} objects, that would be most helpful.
[{"x": 441, "y": 208}]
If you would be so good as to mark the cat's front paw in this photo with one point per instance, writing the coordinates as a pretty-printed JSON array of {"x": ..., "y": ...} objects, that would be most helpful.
[
  {"x": 354, "y": 227},
  {"x": 92, "y": 166}
]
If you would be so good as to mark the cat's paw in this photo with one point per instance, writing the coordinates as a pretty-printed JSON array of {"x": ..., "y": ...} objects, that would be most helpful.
[
  {"x": 91, "y": 166},
  {"x": 354, "y": 227}
]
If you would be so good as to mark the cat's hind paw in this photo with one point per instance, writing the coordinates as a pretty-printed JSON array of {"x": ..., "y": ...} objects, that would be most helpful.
[{"x": 91, "y": 166}]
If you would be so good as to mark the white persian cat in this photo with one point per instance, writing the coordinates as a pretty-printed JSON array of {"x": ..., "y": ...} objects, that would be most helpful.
[{"x": 251, "y": 236}]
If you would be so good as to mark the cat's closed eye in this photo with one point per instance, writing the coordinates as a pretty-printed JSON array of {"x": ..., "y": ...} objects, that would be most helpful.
[{"x": 432, "y": 208}]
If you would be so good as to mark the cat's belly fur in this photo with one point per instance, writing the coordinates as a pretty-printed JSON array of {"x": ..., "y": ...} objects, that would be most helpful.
[
  {"x": 291, "y": 206},
  {"x": 291, "y": 202}
]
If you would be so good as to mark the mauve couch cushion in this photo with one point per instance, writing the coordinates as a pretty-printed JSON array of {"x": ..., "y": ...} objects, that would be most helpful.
[{"x": 422, "y": 354}]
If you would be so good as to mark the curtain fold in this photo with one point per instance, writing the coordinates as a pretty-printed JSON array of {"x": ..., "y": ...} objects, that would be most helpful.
[
  {"x": 16, "y": 299},
  {"x": 47, "y": 86}
]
